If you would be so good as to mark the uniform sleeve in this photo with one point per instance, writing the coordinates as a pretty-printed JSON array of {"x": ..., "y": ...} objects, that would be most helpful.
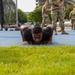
[
  {"x": 43, "y": 10},
  {"x": 70, "y": 15},
  {"x": 49, "y": 1},
  {"x": 63, "y": 7}
]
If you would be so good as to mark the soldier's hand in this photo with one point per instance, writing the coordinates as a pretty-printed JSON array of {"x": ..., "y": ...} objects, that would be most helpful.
[
  {"x": 60, "y": 5},
  {"x": 25, "y": 43},
  {"x": 49, "y": 42}
]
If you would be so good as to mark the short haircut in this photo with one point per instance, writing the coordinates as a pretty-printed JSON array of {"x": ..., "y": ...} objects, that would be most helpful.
[{"x": 37, "y": 29}]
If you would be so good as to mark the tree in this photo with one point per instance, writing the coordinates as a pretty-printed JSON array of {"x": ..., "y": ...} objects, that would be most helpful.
[
  {"x": 30, "y": 17},
  {"x": 36, "y": 15},
  {"x": 21, "y": 16}
]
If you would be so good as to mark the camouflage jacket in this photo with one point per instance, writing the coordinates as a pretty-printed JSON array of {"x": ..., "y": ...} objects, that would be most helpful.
[
  {"x": 72, "y": 14},
  {"x": 45, "y": 11},
  {"x": 55, "y": 4}
]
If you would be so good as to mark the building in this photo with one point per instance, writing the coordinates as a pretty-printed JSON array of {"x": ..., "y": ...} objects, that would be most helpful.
[
  {"x": 40, "y": 2},
  {"x": 9, "y": 7},
  {"x": 27, "y": 13}
]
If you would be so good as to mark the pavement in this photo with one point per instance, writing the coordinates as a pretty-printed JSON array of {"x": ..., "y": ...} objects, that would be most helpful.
[{"x": 13, "y": 38}]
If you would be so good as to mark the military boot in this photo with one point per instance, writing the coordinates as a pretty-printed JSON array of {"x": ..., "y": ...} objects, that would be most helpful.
[
  {"x": 55, "y": 31},
  {"x": 59, "y": 30},
  {"x": 64, "y": 32},
  {"x": 72, "y": 27}
]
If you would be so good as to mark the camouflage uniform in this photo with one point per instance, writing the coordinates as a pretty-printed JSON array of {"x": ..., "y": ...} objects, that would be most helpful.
[
  {"x": 45, "y": 16},
  {"x": 72, "y": 17},
  {"x": 57, "y": 12}
]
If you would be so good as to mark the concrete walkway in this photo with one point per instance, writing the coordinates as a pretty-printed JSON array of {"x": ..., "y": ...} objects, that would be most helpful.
[{"x": 13, "y": 38}]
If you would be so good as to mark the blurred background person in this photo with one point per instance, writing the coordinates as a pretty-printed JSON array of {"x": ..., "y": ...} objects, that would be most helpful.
[
  {"x": 45, "y": 14},
  {"x": 72, "y": 18}
]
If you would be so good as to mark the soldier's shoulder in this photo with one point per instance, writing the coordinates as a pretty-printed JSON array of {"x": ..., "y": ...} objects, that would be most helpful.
[{"x": 43, "y": 6}]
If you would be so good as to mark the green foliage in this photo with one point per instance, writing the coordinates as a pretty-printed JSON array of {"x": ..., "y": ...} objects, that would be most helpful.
[
  {"x": 30, "y": 17},
  {"x": 36, "y": 15},
  {"x": 22, "y": 16},
  {"x": 37, "y": 60}
]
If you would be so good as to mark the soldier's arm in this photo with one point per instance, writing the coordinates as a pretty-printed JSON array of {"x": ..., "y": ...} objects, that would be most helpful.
[
  {"x": 70, "y": 15},
  {"x": 50, "y": 40},
  {"x": 55, "y": 6},
  {"x": 49, "y": 1},
  {"x": 43, "y": 10},
  {"x": 49, "y": 9},
  {"x": 25, "y": 43},
  {"x": 61, "y": 5}
]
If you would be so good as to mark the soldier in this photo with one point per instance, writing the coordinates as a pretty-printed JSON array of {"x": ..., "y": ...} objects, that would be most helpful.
[
  {"x": 72, "y": 17},
  {"x": 57, "y": 12},
  {"x": 45, "y": 15},
  {"x": 36, "y": 35}
]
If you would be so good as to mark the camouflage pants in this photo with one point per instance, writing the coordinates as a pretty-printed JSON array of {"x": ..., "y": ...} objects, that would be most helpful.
[
  {"x": 45, "y": 21},
  {"x": 57, "y": 15},
  {"x": 73, "y": 24}
]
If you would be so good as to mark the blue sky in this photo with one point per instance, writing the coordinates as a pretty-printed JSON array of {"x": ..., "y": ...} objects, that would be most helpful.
[{"x": 26, "y": 5}]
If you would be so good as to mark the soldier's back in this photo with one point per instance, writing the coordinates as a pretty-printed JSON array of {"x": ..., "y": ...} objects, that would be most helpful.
[{"x": 72, "y": 14}]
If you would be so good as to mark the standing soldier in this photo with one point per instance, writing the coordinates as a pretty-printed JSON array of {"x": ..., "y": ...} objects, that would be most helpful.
[
  {"x": 45, "y": 15},
  {"x": 57, "y": 12},
  {"x": 72, "y": 17}
]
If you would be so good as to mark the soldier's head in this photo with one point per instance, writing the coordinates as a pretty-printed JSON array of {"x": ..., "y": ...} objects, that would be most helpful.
[{"x": 37, "y": 33}]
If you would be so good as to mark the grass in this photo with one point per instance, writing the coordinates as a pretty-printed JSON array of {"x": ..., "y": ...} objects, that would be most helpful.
[{"x": 54, "y": 60}]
